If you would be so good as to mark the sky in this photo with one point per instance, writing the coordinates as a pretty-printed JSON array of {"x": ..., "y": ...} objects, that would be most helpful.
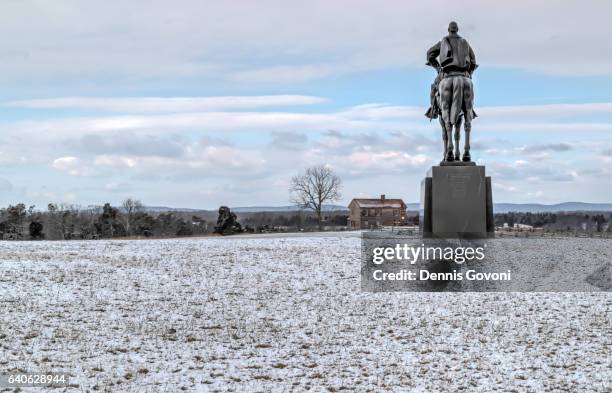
[{"x": 200, "y": 103}]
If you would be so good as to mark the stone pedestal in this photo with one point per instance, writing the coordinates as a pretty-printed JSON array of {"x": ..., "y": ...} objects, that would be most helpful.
[{"x": 456, "y": 202}]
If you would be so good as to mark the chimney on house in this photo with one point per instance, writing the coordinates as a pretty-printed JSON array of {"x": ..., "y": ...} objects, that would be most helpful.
[{"x": 382, "y": 197}]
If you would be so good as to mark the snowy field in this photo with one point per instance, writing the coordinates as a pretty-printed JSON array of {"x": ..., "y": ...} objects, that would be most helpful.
[{"x": 272, "y": 313}]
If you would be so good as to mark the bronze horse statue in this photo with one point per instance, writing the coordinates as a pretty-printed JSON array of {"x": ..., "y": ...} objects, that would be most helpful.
[
  {"x": 451, "y": 103},
  {"x": 452, "y": 93}
]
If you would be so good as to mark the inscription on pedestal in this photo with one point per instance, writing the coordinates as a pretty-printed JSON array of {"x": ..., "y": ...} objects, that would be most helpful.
[{"x": 459, "y": 185}]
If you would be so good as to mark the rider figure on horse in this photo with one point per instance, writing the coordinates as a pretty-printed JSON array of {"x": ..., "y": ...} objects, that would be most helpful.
[{"x": 452, "y": 94}]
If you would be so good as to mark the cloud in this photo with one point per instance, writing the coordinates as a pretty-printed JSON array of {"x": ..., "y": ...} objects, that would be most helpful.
[
  {"x": 367, "y": 154},
  {"x": 118, "y": 162},
  {"x": 126, "y": 143},
  {"x": 377, "y": 111},
  {"x": 289, "y": 140},
  {"x": 545, "y": 111},
  {"x": 220, "y": 121},
  {"x": 334, "y": 142},
  {"x": 201, "y": 161},
  {"x": 554, "y": 147},
  {"x": 504, "y": 187},
  {"x": 363, "y": 118},
  {"x": 384, "y": 161},
  {"x": 533, "y": 172},
  {"x": 74, "y": 166},
  {"x": 365, "y": 140},
  {"x": 337, "y": 141},
  {"x": 267, "y": 145},
  {"x": 165, "y": 104},
  {"x": 118, "y": 187},
  {"x": 286, "y": 74},
  {"x": 145, "y": 51},
  {"x": 261, "y": 42}
]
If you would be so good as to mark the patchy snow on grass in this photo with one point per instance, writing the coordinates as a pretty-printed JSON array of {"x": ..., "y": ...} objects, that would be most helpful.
[{"x": 274, "y": 313}]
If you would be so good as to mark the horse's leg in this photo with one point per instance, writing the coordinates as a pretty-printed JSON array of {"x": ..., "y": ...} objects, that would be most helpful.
[
  {"x": 457, "y": 138},
  {"x": 449, "y": 142},
  {"x": 446, "y": 99},
  {"x": 466, "y": 149},
  {"x": 468, "y": 99},
  {"x": 444, "y": 138}
]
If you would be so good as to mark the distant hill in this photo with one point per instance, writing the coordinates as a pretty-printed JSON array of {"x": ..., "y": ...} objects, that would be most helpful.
[
  {"x": 240, "y": 209},
  {"x": 541, "y": 208},
  {"x": 559, "y": 207},
  {"x": 254, "y": 209},
  {"x": 498, "y": 208},
  {"x": 163, "y": 209}
]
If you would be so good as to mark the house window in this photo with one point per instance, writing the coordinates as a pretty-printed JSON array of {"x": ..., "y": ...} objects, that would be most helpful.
[
  {"x": 372, "y": 212},
  {"x": 395, "y": 212},
  {"x": 364, "y": 212}
]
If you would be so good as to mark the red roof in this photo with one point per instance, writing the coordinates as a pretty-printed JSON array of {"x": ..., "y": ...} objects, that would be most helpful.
[{"x": 379, "y": 203}]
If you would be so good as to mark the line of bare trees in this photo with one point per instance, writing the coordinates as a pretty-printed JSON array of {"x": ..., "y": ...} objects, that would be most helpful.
[
  {"x": 309, "y": 190},
  {"x": 65, "y": 222}
]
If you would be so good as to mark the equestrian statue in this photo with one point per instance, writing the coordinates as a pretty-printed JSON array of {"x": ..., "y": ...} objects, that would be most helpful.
[{"x": 452, "y": 93}]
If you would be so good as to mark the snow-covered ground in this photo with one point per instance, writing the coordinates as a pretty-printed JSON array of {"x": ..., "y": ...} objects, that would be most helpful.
[{"x": 274, "y": 313}]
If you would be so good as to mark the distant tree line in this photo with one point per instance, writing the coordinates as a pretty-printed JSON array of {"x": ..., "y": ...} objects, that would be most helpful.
[
  {"x": 560, "y": 221},
  {"x": 131, "y": 219},
  {"x": 293, "y": 221},
  {"x": 66, "y": 222}
]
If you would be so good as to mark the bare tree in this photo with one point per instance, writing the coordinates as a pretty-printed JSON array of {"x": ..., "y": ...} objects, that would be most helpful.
[
  {"x": 317, "y": 185},
  {"x": 68, "y": 217},
  {"x": 130, "y": 208},
  {"x": 52, "y": 227}
]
